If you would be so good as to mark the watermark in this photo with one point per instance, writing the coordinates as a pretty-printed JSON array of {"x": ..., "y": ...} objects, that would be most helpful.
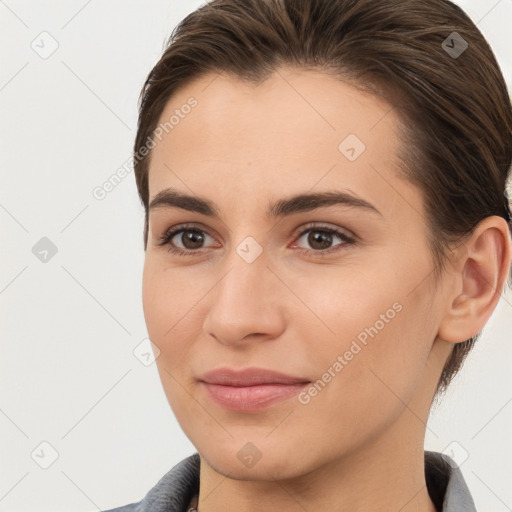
[
  {"x": 351, "y": 147},
  {"x": 146, "y": 352},
  {"x": 456, "y": 454},
  {"x": 44, "y": 455},
  {"x": 454, "y": 45},
  {"x": 45, "y": 45},
  {"x": 249, "y": 249},
  {"x": 101, "y": 191},
  {"x": 249, "y": 454},
  {"x": 174, "y": 120},
  {"x": 305, "y": 396},
  {"x": 44, "y": 250}
]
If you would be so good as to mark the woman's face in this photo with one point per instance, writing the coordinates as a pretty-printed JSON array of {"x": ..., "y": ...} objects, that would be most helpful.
[{"x": 354, "y": 313}]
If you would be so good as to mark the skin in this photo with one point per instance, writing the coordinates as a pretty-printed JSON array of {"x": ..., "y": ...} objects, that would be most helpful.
[{"x": 241, "y": 147}]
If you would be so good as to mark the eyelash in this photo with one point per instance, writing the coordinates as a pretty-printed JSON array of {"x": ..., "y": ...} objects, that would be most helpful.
[{"x": 166, "y": 238}]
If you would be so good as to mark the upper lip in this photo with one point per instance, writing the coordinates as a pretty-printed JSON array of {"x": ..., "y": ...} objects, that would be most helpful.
[{"x": 248, "y": 377}]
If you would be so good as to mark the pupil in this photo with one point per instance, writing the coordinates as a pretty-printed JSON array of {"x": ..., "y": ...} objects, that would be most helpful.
[
  {"x": 313, "y": 239},
  {"x": 191, "y": 236}
]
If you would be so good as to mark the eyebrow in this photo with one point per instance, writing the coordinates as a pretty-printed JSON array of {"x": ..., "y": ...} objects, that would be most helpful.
[{"x": 172, "y": 198}]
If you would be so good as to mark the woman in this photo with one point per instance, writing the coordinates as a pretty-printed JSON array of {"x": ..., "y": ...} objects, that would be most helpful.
[{"x": 327, "y": 233}]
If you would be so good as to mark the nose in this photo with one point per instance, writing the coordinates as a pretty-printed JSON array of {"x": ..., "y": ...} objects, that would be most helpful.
[{"x": 246, "y": 303}]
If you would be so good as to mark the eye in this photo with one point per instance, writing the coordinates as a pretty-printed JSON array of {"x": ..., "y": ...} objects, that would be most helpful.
[
  {"x": 192, "y": 238},
  {"x": 321, "y": 237}
]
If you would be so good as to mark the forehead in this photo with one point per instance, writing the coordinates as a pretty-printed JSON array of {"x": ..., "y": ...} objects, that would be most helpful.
[
  {"x": 297, "y": 104},
  {"x": 294, "y": 131}
]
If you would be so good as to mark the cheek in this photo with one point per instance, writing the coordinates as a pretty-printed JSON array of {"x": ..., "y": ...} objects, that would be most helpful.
[
  {"x": 376, "y": 336},
  {"x": 168, "y": 302},
  {"x": 167, "y": 294}
]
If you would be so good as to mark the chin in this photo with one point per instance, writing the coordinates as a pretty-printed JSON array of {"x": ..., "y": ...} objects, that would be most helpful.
[{"x": 258, "y": 460}]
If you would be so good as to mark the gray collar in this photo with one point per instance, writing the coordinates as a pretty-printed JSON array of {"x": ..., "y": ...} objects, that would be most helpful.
[
  {"x": 174, "y": 490},
  {"x": 446, "y": 485}
]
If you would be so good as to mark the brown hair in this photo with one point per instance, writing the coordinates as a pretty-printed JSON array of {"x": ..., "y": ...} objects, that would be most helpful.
[{"x": 452, "y": 100}]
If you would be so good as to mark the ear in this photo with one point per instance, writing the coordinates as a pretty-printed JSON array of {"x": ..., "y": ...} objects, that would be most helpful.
[{"x": 480, "y": 272}]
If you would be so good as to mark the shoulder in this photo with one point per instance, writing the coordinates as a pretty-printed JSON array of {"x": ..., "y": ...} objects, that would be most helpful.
[
  {"x": 133, "y": 507},
  {"x": 172, "y": 492},
  {"x": 446, "y": 485}
]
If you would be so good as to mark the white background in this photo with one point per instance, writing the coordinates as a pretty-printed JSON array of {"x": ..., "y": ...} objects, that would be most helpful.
[{"x": 69, "y": 326}]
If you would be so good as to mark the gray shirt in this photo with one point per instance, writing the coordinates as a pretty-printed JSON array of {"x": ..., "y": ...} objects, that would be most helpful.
[{"x": 175, "y": 490}]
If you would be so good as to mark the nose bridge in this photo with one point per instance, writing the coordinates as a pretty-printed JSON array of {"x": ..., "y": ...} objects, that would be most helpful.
[
  {"x": 246, "y": 282},
  {"x": 244, "y": 301}
]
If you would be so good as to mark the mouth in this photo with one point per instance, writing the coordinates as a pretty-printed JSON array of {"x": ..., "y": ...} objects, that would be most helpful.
[
  {"x": 251, "y": 389},
  {"x": 251, "y": 398}
]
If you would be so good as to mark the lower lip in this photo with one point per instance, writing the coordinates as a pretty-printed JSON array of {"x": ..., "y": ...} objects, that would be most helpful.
[{"x": 251, "y": 398}]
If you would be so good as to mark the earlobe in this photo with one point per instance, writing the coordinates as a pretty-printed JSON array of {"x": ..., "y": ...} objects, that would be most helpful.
[{"x": 479, "y": 275}]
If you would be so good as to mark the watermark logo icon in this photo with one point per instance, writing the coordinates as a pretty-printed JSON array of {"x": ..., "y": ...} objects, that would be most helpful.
[
  {"x": 45, "y": 45},
  {"x": 146, "y": 352},
  {"x": 351, "y": 147},
  {"x": 249, "y": 454},
  {"x": 44, "y": 250},
  {"x": 249, "y": 249},
  {"x": 454, "y": 45},
  {"x": 456, "y": 454},
  {"x": 44, "y": 455}
]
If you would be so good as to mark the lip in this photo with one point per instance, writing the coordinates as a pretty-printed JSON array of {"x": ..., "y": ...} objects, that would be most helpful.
[
  {"x": 248, "y": 377},
  {"x": 250, "y": 389}
]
